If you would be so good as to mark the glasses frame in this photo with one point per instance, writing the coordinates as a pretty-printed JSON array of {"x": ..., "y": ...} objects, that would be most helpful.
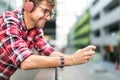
[{"x": 47, "y": 12}]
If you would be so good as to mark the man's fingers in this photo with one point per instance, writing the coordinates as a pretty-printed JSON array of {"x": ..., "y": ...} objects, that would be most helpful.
[
  {"x": 88, "y": 57},
  {"x": 90, "y": 47},
  {"x": 89, "y": 53}
]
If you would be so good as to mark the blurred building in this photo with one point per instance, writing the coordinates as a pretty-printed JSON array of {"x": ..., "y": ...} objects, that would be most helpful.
[
  {"x": 105, "y": 27},
  {"x": 81, "y": 31},
  {"x": 99, "y": 24},
  {"x": 7, "y": 5}
]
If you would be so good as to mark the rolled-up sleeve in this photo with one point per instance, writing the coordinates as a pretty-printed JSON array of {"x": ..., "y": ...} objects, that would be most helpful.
[{"x": 42, "y": 45}]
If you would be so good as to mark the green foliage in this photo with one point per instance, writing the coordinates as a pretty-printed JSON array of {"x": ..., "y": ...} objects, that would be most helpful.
[
  {"x": 84, "y": 19},
  {"x": 83, "y": 30}
]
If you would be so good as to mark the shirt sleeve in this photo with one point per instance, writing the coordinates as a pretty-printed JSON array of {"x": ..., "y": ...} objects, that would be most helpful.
[
  {"x": 14, "y": 46},
  {"x": 42, "y": 45}
]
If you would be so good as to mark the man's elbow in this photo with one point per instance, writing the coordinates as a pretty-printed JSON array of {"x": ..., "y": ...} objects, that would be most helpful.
[{"x": 25, "y": 65}]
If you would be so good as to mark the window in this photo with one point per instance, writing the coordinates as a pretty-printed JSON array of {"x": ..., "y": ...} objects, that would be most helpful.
[
  {"x": 97, "y": 16},
  {"x": 111, "y": 6},
  {"x": 97, "y": 33},
  {"x": 112, "y": 29},
  {"x": 95, "y": 2}
]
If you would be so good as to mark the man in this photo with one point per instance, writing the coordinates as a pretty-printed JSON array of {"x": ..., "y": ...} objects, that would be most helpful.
[{"x": 21, "y": 30}]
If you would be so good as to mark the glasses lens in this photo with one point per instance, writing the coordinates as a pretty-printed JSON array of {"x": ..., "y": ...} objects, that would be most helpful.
[
  {"x": 47, "y": 12},
  {"x": 52, "y": 15}
]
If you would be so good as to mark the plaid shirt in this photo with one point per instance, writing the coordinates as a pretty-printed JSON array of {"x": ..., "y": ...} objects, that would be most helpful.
[{"x": 16, "y": 42}]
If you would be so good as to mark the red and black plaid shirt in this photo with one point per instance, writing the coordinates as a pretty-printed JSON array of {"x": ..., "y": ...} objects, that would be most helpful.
[{"x": 16, "y": 42}]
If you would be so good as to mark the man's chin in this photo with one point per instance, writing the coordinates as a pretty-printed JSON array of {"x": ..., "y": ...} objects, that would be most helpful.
[{"x": 40, "y": 26}]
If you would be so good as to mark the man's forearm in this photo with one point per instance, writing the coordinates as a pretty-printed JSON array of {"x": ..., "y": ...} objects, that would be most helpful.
[
  {"x": 79, "y": 57},
  {"x": 36, "y": 62}
]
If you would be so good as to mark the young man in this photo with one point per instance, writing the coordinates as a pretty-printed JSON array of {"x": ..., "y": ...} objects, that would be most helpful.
[{"x": 21, "y": 30}]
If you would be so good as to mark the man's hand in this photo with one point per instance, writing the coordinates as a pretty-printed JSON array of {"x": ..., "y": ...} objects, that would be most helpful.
[{"x": 84, "y": 55}]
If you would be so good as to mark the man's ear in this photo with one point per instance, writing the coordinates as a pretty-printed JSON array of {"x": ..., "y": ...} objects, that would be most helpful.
[{"x": 28, "y": 6}]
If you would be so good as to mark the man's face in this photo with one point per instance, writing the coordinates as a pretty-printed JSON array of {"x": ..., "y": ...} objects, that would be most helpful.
[{"x": 41, "y": 14}]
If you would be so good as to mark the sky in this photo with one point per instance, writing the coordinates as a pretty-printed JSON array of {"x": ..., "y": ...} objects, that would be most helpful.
[
  {"x": 69, "y": 10},
  {"x": 72, "y": 5}
]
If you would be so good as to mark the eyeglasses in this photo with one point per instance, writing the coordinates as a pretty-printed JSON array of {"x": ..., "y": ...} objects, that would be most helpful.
[{"x": 47, "y": 12}]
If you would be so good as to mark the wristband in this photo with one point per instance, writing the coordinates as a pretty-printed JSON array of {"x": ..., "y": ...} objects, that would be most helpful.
[
  {"x": 62, "y": 62},
  {"x": 73, "y": 59}
]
